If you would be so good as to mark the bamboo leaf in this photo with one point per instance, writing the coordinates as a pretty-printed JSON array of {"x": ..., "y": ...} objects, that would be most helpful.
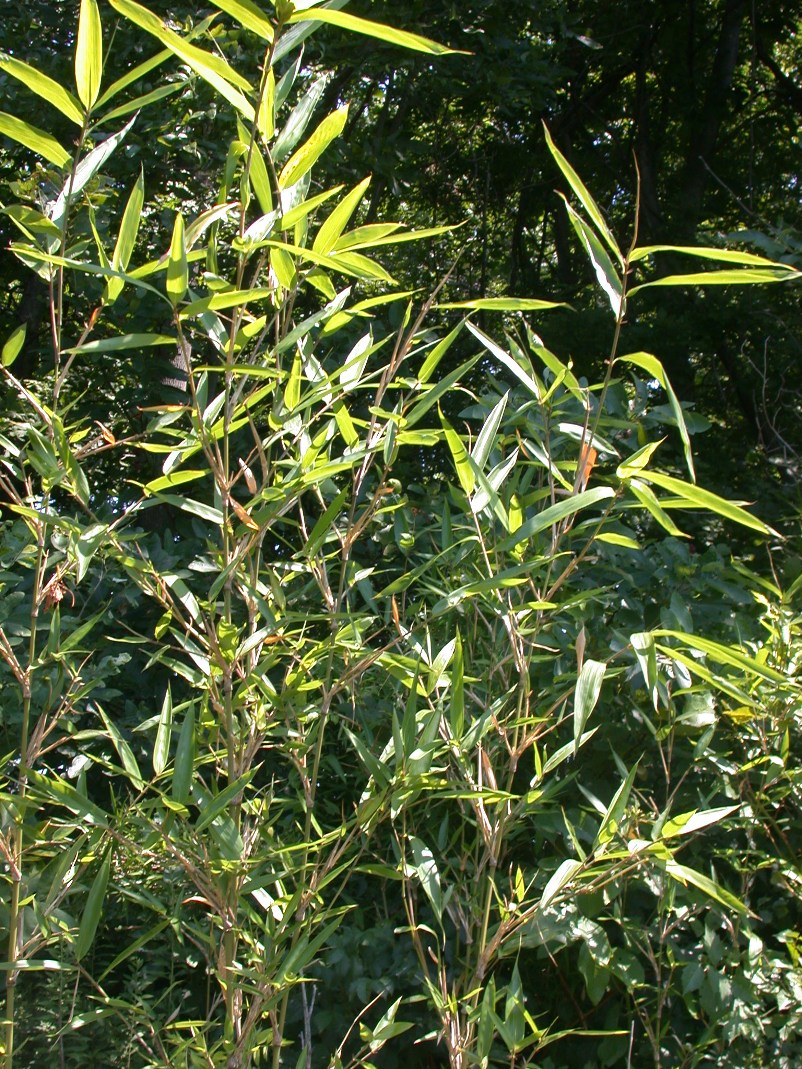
[
  {"x": 505, "y": 304},
  {"x": 35, "y": 139},
  {"x": 177, "y": 271},
  {"x": 44, "y": 87},
  {"x": 93, "y": 908},
  {"x": 487, "y": 436},
  {"x": 86, "y": 171},
  {"x": 606, "y": 274},
  {"x": 734, "y": 277},
  {"x": 646, "y": 496},
  {"x": 705, "y": 253},
  {"x": 124, "y": 751},
  {"x": 555, "y": 513},
  {"x": 687, "y": 823},
  {"x": 305, "y": 157},
  {"x": 126, "y": 238},
  {"x": 161, "y": 747},
  {"x": 89, "y": 54},
  {"x": 693, "y": 496},
  {"x": 122, "y": 341},
  {"x": 184, "y": 767},
  {"x": 585, "y": 199},
  {"x": 684, "y": 875},
  {"x": 564, "y": 874},
  {"x": 13, "y": 345},
  {"x": 213, "y": 69},
  {"x": 730, "y": 655},
  {"x": 652, "y": 366},
  {"x": 248, "y": 15},
  {"x": 337, "y": 220},
  {"x": 506, "y": 360},
  {"x": 378, "y": 30},
  {"x": 425, "y": 868},
  {"x": 588, "y": 689},
  {"x": 615, "y": 811}
]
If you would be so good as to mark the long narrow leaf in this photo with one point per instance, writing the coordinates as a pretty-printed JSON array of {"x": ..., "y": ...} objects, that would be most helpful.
[
  {"x": 378, "y": 30},
  {"x": 44, "y": 87},
  {"x": 36, "y": 140},
  {"x": 93, "y": 908},
  {"x": 88, "y": 54}
]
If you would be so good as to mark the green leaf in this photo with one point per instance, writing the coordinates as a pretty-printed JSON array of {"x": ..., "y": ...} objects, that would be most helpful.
[
  {"x": 217, "y": 804},
  {"x": 564, "y": 874},
  {"x": 705, "y": 252},
  {"x": 86, "y": 171},
  {"x": 124, "y": 751},
  {"x": 184, "y": 759},
  {"x": 122, "y": 341},
  {"x": 588, "y": 689},
  {"x": 13, "y": 345},
  {"x": 457, "y": 698},
  {"x": 425, "y": 868},
  {"x": 429, "y": 365},
  {"x": 126, "y": 238},
  {"x": 44, "y": 87},
  {"x": 685, "y": 875},
  {"x": 459, "y": 454},
  {"x": 645, "y": 495},
  {"x": 687, "y": 823},
  {"x": 93, "y": 908},
  {"x": 587, "y": 202},
  {"x": 248, "y": 15},
  {"x": 161, "y": 747},
  {"x": 652, "y": 366},
  {"x": 734, "y": 277},
  {"x": 693, "y": 496},
  {"x": 504, "y": 304},
  {"x": 177, "y": 272},
  {"x": 615, "y": 811},
  {"x": 506, "y": 360},
  {"x": 639, "y": 460},
  {"x": 305, "y": 157},
  {"x": 140, "y": 102},
  {"x": 729, "y": 655},
  {"x": 59, "y": 791},
  {"x": 35, "y": 139},
  {"x": 212, "y": 68},
  {"x": 381, "y": 32},
  {"x": 554, "y": 514},
  {"x": 338, "y": 218},
  {"x": 89, "y": 54},
  {"x": 606, "y": 274}
]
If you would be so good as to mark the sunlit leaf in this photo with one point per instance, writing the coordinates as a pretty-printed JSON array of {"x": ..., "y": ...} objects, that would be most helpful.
[
  {"x": 44, "y": 87},
  {"x": 35, "y": 139},
  {"x": 588, "y": 689},
  {"x": 378, "y": 30},
  {"x": 89, "y": 54},
  {"x": 305, "y": 157}
]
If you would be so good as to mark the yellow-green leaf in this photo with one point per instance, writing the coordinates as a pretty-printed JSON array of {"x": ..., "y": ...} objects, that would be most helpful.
[
  {"x": 35, "y": 139},
  {"x": 177, "y": 273},
  {"x": 338, "y": 218},
  {"x": 588, "y": 203},
  {"x": 93, "y": 908},
  {"x": 369, "y": 28},
  {"x": 124, "y": 246},
  {"x": 305, "y": 157},
  {"x": 248, "y": 15},
  {"x": 13, "y": 345},
  {"x": 695, "y": 497},
  {"x": 213, "y": 69},
  {"x": 266, "y": 115},
  {"x": 88, "y": 54},
  {"x": 44, "y": 87},
  {"x": 505, "y": 304}
]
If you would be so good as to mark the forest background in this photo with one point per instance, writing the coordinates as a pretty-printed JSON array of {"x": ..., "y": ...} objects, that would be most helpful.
[{"x": 400, "y": 576}]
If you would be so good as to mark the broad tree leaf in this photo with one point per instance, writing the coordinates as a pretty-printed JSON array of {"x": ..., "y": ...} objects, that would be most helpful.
[{"x": 89, "y": 54}]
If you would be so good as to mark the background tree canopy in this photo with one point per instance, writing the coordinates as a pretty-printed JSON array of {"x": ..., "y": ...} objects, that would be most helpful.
[{"x": 399, "y": 559}]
